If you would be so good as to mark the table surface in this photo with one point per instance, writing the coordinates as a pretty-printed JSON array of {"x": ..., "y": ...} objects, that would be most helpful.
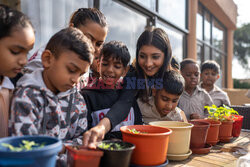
[{"x": 222, "y": 154}]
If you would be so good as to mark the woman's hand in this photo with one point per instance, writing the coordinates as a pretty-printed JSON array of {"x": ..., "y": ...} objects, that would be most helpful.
[{"x": 96, "y": 134}]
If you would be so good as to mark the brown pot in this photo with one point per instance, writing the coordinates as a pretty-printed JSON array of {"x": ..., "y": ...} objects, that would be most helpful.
[
  {"x": 198, "y": 134},
  {"x": 225, "y": 133},
  {"x": 213, "y": 131}
]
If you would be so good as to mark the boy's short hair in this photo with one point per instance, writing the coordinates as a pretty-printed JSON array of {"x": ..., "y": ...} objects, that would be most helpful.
[
  {"x": 117, "y": 50},
  {"x": 210, "y": 64},
  {"x": 71, "y": 39},
  {"x": 186, "y": 62},
  {"x": 175, "y": 64},
  {"x": 173, "y": 82}
]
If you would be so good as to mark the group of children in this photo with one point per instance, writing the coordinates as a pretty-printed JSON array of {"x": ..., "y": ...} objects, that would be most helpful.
[{"x": 49, "y": 101}]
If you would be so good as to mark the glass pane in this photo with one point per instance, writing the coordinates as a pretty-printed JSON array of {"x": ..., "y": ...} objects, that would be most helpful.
[
  {"x": 207, "y": 28},
  {"x": 48, "y": 17},
  {"x": 206, "y": 53},
  {"x": 199, "y": 21},
  {"x": 148, "y": 3},
  {"x": 199, "y": 54},
  {"x": 174, "y": 11},
  {"x": 218, "y": 36},
  {"x": 124, "y": 24},
  {"x": 220, "y": 60},
  {"x": 176, "y": 40}
]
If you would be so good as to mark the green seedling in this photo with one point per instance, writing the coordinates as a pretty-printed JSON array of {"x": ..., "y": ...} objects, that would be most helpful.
[
  {"x": 26, "y": 146},
  {"x": 111, "y": 146},
  {"x": 224, "y": 113},
  {"x": 136, "y": 131}
]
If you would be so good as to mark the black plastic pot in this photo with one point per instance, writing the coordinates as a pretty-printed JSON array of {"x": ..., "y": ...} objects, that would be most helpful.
[{"x": 116, "y": 157}]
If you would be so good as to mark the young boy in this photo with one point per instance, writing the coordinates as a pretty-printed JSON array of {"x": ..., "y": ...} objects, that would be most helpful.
[
  {"x": 163, "y": 104},
  {"x": 209, "y": 75},
  {"x": 193, "y": 99},
  {"x": 104, "y": 93},
  {"x": 46, "y": 101}
]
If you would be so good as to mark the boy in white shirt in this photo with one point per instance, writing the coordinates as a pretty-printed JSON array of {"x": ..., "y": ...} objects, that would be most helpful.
[{"x": 163, "y": 104}]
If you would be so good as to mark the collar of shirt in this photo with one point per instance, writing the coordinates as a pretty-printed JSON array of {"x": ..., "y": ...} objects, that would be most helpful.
[
  {"x": 197, "y": 89},
  {"x": 6, "y": 83},
  {"x": 215, "y": 89}
]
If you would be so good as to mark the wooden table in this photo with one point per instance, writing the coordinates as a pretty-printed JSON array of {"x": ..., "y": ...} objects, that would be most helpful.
[{"x": 223, "y": 154}]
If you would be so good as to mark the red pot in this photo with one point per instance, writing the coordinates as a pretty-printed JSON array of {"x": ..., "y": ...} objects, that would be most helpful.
[
  {"x": 238, "y": 120},
  {"x": 199, "y": 134},
  {"x": 213, "y": 131},
  {"x": 225, "y": 134},
  {"x": 83, "y": 157}
]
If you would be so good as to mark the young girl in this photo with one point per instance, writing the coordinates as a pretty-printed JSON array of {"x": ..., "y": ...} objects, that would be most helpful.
[
  {"x": 17, "y": 37},
  {"x": 153, "y": 55},
  {"x": 94, "y": 25}
]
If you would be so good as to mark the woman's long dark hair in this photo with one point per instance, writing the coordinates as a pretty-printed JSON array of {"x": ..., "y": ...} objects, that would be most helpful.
[{"x": 159, "y": 39}]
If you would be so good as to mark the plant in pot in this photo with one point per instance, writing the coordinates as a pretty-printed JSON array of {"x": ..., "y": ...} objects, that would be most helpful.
[
  {"x": 225, "y": 115},
  {"x": 237, "y": 125},
  {"x": 151, "y": 143},
  {"x": 29, "y": 151},
  {"x": 116, "y": 153},
  {"x": 78, "y": 156}
]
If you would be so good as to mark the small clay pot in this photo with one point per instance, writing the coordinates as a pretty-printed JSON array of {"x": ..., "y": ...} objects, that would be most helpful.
[
  {"x": 225, "y": 134},
  {"x": 82, "y": 157},
  {"x": 237, "y": 125},
  {"x": 198, "y": 134},
  {"x": 213, "y": 131}
]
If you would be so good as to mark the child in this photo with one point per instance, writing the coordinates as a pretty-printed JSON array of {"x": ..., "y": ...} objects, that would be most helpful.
[
  {"x": 94, "y": 25},
  {"x": 47, "y": 101},
  {"x": 17, "y": 37},
  {"x": 114, "y": 62},
  {"x": 193, "y": 99},
  {"x": 209, "y": 75},
  {"x": 163, "y": 104}
]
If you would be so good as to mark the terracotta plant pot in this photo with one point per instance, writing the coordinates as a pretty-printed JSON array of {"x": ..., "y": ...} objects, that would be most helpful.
[
  {"x": 179, "y": 140},
  {"x": 199, "y": 134},
  {"x": 225, "y": 134},
  {"x": 82, "y": 157},
  {"x": 115, "y": 155},
  {"x": 237, "y": 125},
  {"x": 213, "y": 131},
  {"x": 151, "y": 144}
]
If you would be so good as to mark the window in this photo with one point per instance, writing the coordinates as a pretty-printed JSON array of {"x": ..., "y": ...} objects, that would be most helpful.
[
  {"x": 199, "y": 53},
  {"x": 207, "y": 28},
  {"x": 218, "y": 35},
  {"x": 199, "y": 24},
  {"x": 220, "y": 59},
  {"x": 174, "y": 11},
  {"x": 176, "y": 40},
  {"x": 211, "y": 40},
  {"x": 125, "y": 24},
  {"x": 48, "y": 17},
  {"x": 150, "y": 4}
]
